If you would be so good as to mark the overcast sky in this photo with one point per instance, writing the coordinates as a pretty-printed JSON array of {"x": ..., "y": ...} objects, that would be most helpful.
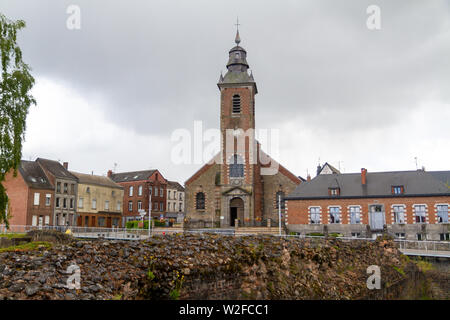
[{"x": 115, "y": 90}]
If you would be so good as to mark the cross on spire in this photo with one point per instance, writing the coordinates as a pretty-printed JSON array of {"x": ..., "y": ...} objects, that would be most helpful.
[{"x": 238, "y": 39}]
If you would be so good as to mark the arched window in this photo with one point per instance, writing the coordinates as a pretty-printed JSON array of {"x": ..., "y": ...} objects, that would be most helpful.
[
  {"x": 200, "y": 200},
  {"x": 236, "y": 167},
  {"x": 280, "y": 200},
  {"x": 236, "y": 104}
]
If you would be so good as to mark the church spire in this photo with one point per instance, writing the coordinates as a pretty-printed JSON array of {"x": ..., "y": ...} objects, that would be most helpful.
[
  {"x": 237, "y": 65},
  {"x": 237, "y": 39}
]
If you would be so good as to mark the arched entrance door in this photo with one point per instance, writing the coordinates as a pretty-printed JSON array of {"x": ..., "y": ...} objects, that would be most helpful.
[{"x": 236, "y": 210}]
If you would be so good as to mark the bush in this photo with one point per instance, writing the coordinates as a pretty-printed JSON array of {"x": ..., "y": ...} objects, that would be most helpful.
[
  {"x": 159, "y": 223},
  {"x": 336, "y": 235},
  {"x": 315, "y": 234},
  {"x": 135, "y": 224},
  {"x": 132, "y": 224}
]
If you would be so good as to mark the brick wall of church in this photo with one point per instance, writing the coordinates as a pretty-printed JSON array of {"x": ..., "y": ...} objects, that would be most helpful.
[{"x": 271, "y": 187}]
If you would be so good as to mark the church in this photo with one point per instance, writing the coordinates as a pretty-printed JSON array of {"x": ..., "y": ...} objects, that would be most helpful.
[{"x": 241, "y": 185}]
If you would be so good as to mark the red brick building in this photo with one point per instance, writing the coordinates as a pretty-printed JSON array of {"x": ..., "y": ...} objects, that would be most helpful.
[
  {"x": 406, "y": 204},
  {"x": 139, "y": 186},
  {"x": 31, "y": 196}
]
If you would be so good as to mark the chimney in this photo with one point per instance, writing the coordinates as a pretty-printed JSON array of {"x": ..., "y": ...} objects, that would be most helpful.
[
  {"x": 363, "y": 176},
  {"x": 318, "y": 169},
  {"x": 308, "y": 178},
  {"x": 110, "y": 173},
  {"x": 66, "y": 165}
]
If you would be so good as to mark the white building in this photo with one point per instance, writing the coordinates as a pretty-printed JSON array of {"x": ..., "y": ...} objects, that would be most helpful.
[{"x": 175, "y": 201}]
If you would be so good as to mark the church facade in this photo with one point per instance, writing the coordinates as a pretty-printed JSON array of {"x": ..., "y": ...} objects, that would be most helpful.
[{"x": 241, "y": 184}]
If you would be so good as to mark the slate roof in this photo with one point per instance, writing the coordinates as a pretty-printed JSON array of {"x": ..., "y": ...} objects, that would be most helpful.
[
  {"x": 34, "y": 176},
  {"x": 175, "y": 185},
  {"x": 96, "y": 180},
  {"x": 237, "y": 77},
  {"x": 56, "y": 168},
  {"x": 332, "y": 168},
  {"x": 132, "y": 176},
  {"x": 379, "y": 184}
]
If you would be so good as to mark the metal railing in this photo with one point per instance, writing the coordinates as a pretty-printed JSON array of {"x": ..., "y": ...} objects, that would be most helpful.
[
  {"x": 94, "y": 232},
  {"x": 138, "y": 234},
  {"x": 425, "y": 245}
]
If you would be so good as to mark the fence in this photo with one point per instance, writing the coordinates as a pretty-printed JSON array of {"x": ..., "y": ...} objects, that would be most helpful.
[{"x": 137, "y": 234}]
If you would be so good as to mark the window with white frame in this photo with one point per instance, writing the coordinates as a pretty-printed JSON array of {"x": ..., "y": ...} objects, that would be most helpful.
[
  {"x": 314, "y": 213},
  {"x": 80, "y": 202},
  {"x": 130, "y": 206},
  {"x": 399, "y": 214},
  {"x": 94, "y": 203},
  {"x": 48, "y": 198},
  {"x": 139, "y": 205},
  {"x": 335, "y": 215},
  {"x": 400, "y": 235},
  {"x": 161, "y": 192},
  {"x": 420, "y": 213},
  {"x": 442, "y": 213},
  {"x": 130, "y": 191},
  {"x": 156, "y": 191},
  {"x": 140, "y": 191},
  {"x": 36, "y": 199},
  {"x": 355, "y": 215},
  {"x": 161, "y": 206},
  {"x": 118, "y": 206},
  {"x": 106, "y": 205}
]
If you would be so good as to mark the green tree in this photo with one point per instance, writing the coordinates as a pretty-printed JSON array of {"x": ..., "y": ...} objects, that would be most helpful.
[{"x": 15, "y": 100}]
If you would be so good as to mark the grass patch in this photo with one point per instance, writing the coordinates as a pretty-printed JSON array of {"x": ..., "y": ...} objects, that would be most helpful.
[
  {"x": 28, "y": 246},
  {"x": 12, "y": 235}
]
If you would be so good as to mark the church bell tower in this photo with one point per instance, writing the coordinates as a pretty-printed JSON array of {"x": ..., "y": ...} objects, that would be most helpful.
[{"x": 238, "y": 144}]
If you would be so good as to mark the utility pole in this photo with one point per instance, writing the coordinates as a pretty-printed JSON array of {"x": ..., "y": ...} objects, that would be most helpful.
[{"x": 279, "y": 214}]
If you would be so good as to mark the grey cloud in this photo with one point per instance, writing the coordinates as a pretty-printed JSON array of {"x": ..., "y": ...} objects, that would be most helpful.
[{"x": 154, "y": 65}]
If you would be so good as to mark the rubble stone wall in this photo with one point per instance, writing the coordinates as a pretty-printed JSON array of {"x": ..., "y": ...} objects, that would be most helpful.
[{"x": 210, "y": 267}]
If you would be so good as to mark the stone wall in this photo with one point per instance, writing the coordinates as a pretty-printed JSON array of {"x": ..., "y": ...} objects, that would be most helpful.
[{"x": 210, "y": 267}]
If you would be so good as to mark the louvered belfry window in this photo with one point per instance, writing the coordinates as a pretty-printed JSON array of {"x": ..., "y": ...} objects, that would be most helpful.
[{"x": 236, "y": 104}]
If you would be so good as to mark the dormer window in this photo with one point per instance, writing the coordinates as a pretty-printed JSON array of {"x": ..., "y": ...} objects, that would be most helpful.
[
  {"x": 236, "y": 104},
  {"x": 333, "y": 191},
  {"x": 397, "y": 189}
]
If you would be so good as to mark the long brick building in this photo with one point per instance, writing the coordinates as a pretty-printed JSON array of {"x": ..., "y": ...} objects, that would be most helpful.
[
  {"x": 241, "y": 183},
  {"x": 407, "y": 204}
]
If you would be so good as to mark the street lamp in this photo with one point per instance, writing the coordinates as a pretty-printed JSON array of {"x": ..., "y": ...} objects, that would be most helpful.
[{"x": 149, "y": 212}]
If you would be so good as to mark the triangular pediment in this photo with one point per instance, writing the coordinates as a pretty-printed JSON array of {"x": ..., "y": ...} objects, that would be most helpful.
[{"x": 236, "y": 191}]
